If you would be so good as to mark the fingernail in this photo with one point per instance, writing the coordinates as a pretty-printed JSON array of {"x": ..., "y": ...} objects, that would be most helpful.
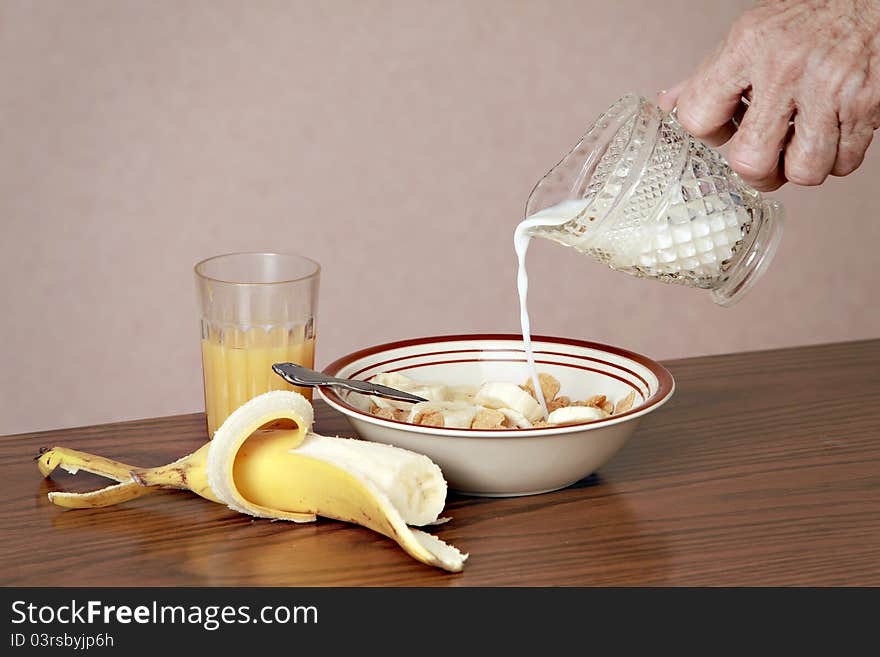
[{"x": 662, "y": 92}]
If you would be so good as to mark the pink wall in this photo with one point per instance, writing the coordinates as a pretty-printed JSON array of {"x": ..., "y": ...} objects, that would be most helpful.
[{"x": 395, "y": 142}]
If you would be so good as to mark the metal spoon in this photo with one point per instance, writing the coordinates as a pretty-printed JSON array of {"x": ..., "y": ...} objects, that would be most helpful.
[{"x": 303, "y": 376}]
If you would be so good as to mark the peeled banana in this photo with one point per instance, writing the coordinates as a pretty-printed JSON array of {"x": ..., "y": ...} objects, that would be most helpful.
[{"x": 266, "y": 462}]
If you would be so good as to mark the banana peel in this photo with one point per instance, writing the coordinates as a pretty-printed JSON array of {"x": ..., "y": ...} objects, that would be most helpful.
[{"x": 265, "y": 461}]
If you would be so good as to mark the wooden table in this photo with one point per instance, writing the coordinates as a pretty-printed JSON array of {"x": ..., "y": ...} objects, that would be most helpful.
[{"x": 764, "y": 469}]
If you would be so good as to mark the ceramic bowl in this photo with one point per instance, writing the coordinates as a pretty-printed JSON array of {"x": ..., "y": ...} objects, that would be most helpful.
[{"x": 502, "y": 463}]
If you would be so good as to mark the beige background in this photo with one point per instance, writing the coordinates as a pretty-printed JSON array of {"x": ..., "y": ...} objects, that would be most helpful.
[{"x": 395, "y": 142}]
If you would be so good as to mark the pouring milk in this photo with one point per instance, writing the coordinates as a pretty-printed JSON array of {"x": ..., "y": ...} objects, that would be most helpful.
[{"x": 556, "y": 215}]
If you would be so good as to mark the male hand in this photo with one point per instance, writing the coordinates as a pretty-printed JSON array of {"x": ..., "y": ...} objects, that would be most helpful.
[{"x": 815, "y": 63}]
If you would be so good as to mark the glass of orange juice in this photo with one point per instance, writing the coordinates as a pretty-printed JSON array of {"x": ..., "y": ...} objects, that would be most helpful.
[{"x": 256, "y": 309}]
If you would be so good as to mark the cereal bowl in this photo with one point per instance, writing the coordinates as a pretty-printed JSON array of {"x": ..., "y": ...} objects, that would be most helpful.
[{"x": 507, "y": 462}]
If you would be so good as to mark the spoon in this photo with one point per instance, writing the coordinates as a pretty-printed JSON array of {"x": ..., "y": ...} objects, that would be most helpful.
[{"x": 303, "y": 376}]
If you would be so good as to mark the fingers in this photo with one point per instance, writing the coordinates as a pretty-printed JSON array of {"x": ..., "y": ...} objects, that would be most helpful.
[
  {"x": 667, "y": 99},
  {"x": 725, "y": 132},
  {"x": 720, "y": 136},
  {"x": 812, "y": 151},
  {"x": 712, "y": 96},
  {"x": 755, "y": 148},
  {"x": 707, "y": 115},
  {"x": 851, "y": 147},
  {"x": 715, "y": 135}
]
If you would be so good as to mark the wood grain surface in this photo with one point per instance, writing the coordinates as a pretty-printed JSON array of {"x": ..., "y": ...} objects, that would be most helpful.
[{"x": 764, "y": 469}]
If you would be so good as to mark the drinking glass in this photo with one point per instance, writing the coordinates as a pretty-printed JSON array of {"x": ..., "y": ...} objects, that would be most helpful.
[{"x": 256, "y": 309}]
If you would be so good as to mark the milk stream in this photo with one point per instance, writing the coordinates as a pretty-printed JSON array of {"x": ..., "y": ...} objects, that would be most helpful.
[{"x": 553, "y": 216}]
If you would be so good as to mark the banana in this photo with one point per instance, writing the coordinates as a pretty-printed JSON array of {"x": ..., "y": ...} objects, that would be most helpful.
[
  {"x": 463, "y": 393},
  {"x": 516, "y": 418},
  {"x": 265, "y": 461},
  {"x": 456, "y": 414},
  {"x": 506, "y": 395},
  {"x": 575, "y": 415},
  {"x": 425, "y": 390}
]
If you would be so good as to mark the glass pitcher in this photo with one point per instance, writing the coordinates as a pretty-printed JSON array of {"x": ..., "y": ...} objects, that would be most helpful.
[{"x": 660, "y": 204}]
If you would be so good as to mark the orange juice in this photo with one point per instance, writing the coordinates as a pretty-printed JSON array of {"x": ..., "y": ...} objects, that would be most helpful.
[{"x": 237, "y": 366}]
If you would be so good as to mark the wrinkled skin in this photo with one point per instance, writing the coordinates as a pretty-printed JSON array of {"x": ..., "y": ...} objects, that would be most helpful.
[{"x": 815, "y": 63}]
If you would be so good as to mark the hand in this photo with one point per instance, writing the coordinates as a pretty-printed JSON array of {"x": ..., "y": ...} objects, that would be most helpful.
[{"x": 813, "y": 62}]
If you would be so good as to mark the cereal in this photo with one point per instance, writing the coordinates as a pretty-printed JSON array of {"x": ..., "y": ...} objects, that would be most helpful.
[
  {"x": 558, "y": 402},
  {"x": 399, "y": 414},
  {"x": 429, "y": 419},
  {"x": 626, "y": 403},
  {"x": 489, "y": 418},
  {"x": 596, "y": 400},
  {"x": 494, "y": 405},
  {"x": 384, "y": 413},
  {"x": 549, "y": 386}
]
